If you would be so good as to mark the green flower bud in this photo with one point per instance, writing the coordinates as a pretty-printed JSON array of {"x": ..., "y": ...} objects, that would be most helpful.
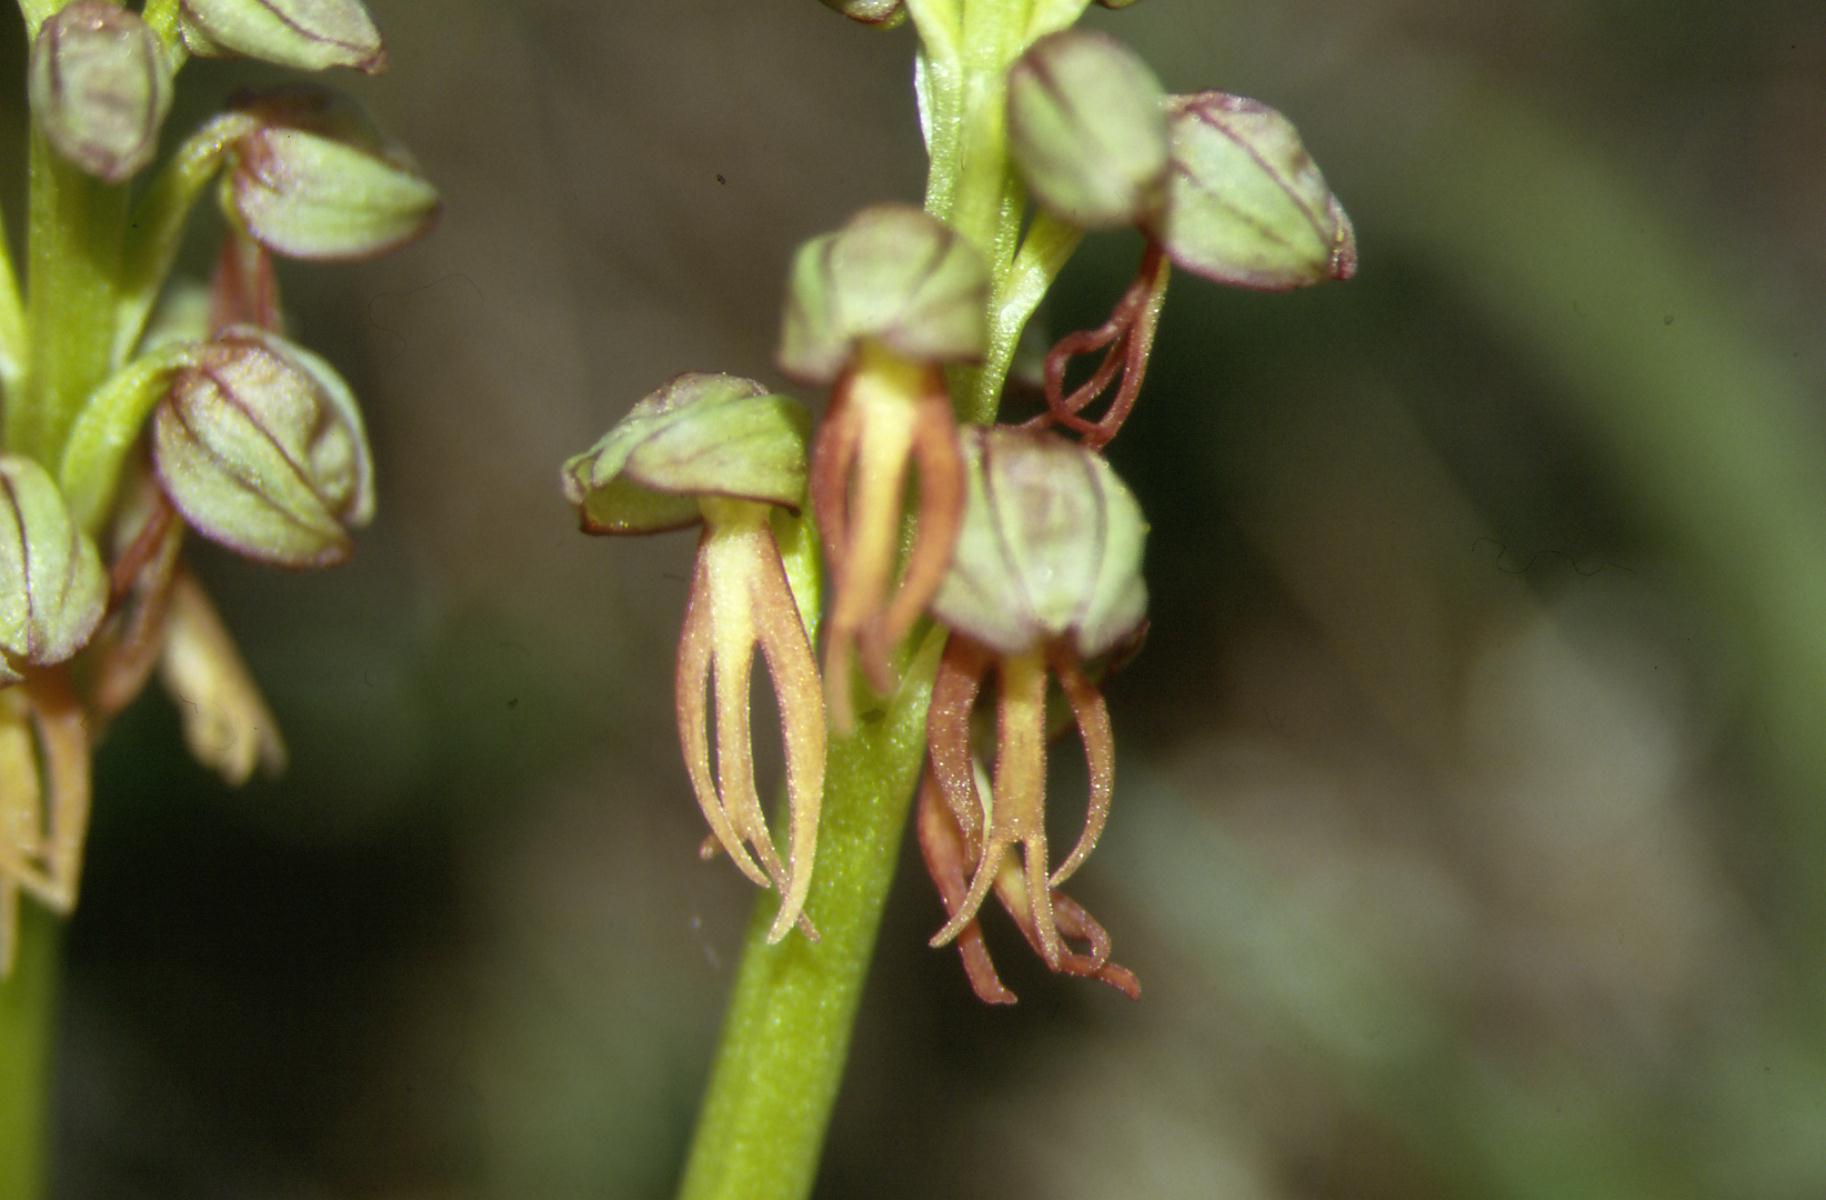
[
  {"x": 1247, "y": 205},
  {"x": 895, "y": 275},
  {"x": 1050, "y": 547},
  {"x": 1086, "y": 130},
  {"x": 53, "y": 589},
  {"x": 260, "y": 446},
  {"x": 883, "y": 14},
  {"x": 308, "y": 34},
  {"x": 310, "y": 181},
  {"x": 100, "y": 87},
  {"x": 701, "y": 436}
]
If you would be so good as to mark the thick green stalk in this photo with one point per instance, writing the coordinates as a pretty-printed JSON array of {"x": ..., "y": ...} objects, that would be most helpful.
[
  {"x": 75, "y": 230},
  {"x": 13, "y": 348},
  {"x": 787, "y": 1033},
  {"x": 28, "y": 1003},
  {"x": 972, "y": 185}
]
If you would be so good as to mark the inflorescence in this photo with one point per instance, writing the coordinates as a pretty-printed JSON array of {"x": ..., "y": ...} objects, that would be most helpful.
[{"x": 1019, "y": 544}]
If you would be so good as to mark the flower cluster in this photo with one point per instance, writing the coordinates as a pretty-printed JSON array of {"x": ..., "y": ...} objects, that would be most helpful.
[
  {"x": 139, "y": 406},
  {"x": 1018, "y": 546}
]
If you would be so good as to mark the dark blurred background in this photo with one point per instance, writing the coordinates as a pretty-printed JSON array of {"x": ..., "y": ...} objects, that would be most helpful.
[{"x": 1469, "y": 827}]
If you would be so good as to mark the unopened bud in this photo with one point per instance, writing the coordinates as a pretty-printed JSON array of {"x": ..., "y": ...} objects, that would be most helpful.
[
  {"x": 1247, "y": 205},
  {"x": 53, "y": 589},
  {"x": 701, "y": 436},
  {"x": 260, "y": 446},
  {"x": 1086, "y": 130},
  {"x": 895, "y": 275},
  {"x": 883, "y": 14},
  {"x": 308, "y": 34},
  {"x": 310, "y": 181},
  {"x": 100, "y": 87},
  {"x": 1050, "y": 547}
]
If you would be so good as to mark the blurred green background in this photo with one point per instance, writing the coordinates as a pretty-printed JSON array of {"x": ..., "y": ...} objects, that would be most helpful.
[{"x": 1472, "y": 806}]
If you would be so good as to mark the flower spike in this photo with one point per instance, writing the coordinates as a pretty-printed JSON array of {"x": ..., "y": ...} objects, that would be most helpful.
[{"x": 722, "y": 452}]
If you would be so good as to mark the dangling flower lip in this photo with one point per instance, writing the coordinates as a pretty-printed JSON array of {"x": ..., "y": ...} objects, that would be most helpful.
[
  {"x": 741, "y": 601},
  {"x": 887, "y": 416},
  {"x": 951, "y": 853},
  {"x": 699, "y": 435}
]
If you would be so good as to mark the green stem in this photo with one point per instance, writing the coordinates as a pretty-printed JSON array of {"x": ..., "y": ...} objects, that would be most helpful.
[
  {"x": 158, "y": 222},
  {"x": 787, "y": 1033},
  {"x": 1015, "y": 292},
  {"x": 13, "y": 347},
  {"x": 162, "y": 17},
  {"x": 103, "y": 435},
  {"x": 28, "y": 1004},
  {"x": 37, "y": 12},
  {"x": 75, "y": 230},
  {"x": 972, "y": 184}
]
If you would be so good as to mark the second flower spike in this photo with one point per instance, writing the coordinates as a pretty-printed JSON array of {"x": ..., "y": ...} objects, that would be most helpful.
[{"x": 722, "y": 452}]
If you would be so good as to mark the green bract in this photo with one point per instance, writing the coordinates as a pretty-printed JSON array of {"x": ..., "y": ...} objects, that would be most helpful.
[
  {"x": 53, "y": 589},
  {"x": 260, "y": 446},
  {"x": 1086, "y": 130},
  {"x": 1050, "y": 547},
  {"x": 884, "y": 14},
  {"x": 1247, "y": 205},
  {"x": 305, "y": 184},
  {"x": 701, "y": 436},
  {"x": 100, "y": 87},
  {"x": 894, "y": 275},
  {"x": 309, "y": 34}
]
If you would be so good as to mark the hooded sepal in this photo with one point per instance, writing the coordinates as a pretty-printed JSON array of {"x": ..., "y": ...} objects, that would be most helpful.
[
  {"x": 1086, "y": 130},
  {"x": 895, "y": 275},
  {"x": 1050, "y": 547},
  {"x": 53, "y": 588},
  {"x": 260, "y": 446},
  {"x": 699, "y": 436},
  {"x": 310, "y": 35},
  {"x": 1247, "y": 205},
  {"x": 312, "y": 180},
  {"x": 882, "y": 14},
  {"x": 100, "y": 86}
]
